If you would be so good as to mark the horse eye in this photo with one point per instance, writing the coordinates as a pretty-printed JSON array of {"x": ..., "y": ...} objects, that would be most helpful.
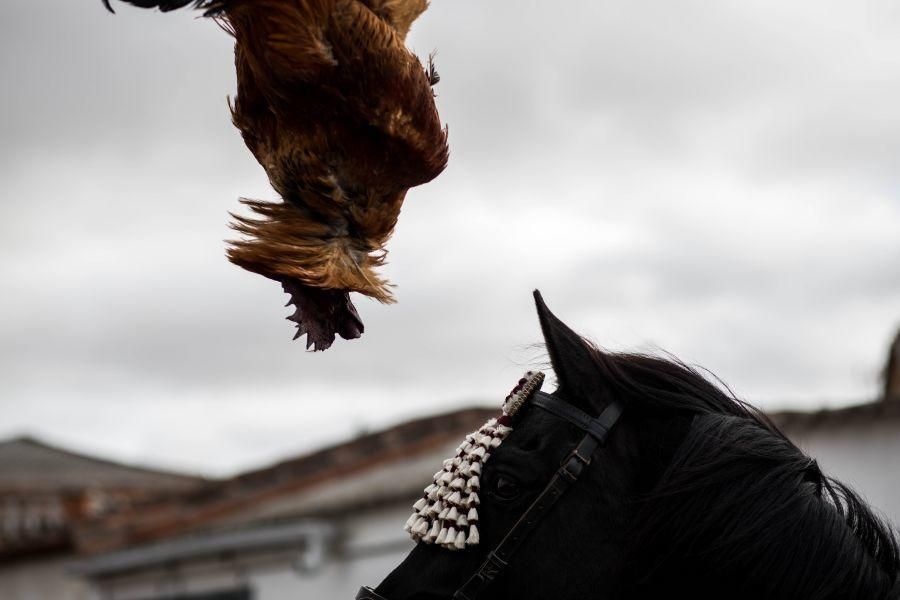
[{"x": 506, "y": 488}]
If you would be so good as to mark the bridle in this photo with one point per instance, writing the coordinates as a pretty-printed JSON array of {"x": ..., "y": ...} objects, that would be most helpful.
[{"x": 596, "y": 431}]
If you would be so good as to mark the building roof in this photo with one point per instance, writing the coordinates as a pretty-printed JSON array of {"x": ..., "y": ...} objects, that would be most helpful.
[
  {"x": 372, "y": 469},
  {"x": 847, "y": 416},
  {"x": 891, "y": 372},
  {"x": 29, "y": 465}
]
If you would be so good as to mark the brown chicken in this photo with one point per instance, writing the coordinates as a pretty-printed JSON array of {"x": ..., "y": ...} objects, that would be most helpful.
[{"x": 342, "y": 118}]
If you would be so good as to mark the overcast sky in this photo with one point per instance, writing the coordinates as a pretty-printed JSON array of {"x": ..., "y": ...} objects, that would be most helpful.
[{"x": 720, "y": 180}]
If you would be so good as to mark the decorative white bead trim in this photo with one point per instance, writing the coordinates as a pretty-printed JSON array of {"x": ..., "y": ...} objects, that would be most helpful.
[{"x": 449, "y": 506}]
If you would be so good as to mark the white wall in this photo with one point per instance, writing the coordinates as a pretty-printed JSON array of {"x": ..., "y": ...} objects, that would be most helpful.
[
  {"x": 373, "y": 544},
  {"x": 866, "y": 456},
  {"x": 40, "y": 580}
]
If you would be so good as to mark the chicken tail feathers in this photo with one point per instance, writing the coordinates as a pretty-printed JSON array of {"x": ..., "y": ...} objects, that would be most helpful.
[{"x": 210, "y": 8}]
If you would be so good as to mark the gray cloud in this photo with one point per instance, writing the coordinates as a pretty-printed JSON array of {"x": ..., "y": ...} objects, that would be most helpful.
[{"x": 716, "y": 180}]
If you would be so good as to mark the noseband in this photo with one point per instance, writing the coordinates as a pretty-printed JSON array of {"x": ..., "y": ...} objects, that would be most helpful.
[{"x": 596, "y": 431}]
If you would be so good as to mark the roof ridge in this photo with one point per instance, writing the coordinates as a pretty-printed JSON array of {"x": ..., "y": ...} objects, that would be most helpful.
[
  {"x": 31, "y": 440},
  {"x": 459, "y": 413},
  {"x": 230, "y": 496}
]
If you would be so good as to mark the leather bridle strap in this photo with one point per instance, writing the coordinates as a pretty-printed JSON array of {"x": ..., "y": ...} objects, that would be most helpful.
[
  {"x": 367, "y": 593},
  {"x": 573, "y": 465},
  {"x": 598, "y": 427}
]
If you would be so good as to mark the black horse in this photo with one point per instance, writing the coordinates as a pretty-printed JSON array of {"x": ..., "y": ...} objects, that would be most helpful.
[{"x": 694, "y": 494}]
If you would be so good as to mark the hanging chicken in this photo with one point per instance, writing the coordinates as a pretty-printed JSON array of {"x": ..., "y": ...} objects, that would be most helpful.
[{"x": 342, "y": 118}]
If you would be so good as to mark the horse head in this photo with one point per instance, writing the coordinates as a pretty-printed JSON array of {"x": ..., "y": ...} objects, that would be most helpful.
[{"x": 636, "y": 477}]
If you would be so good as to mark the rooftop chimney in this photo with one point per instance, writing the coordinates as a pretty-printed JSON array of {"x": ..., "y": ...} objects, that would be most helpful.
[{"x": 892, "y": 372}]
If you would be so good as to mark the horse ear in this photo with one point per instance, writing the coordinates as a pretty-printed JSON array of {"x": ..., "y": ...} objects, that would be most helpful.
[{"x": 580, "y": 380}]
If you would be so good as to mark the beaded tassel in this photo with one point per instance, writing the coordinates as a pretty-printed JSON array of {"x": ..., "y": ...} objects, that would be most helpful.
[{"x": 449, "y": 506}]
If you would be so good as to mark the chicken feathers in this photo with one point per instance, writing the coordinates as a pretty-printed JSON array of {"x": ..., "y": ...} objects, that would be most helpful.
[{"x": 341, "y": 116}]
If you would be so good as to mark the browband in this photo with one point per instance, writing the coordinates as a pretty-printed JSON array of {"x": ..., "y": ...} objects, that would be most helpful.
[{"x": 598, "y": 427}]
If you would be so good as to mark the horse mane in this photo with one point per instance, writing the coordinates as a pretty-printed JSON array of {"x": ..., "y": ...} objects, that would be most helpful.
[{"x": 738, "y": 506}]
